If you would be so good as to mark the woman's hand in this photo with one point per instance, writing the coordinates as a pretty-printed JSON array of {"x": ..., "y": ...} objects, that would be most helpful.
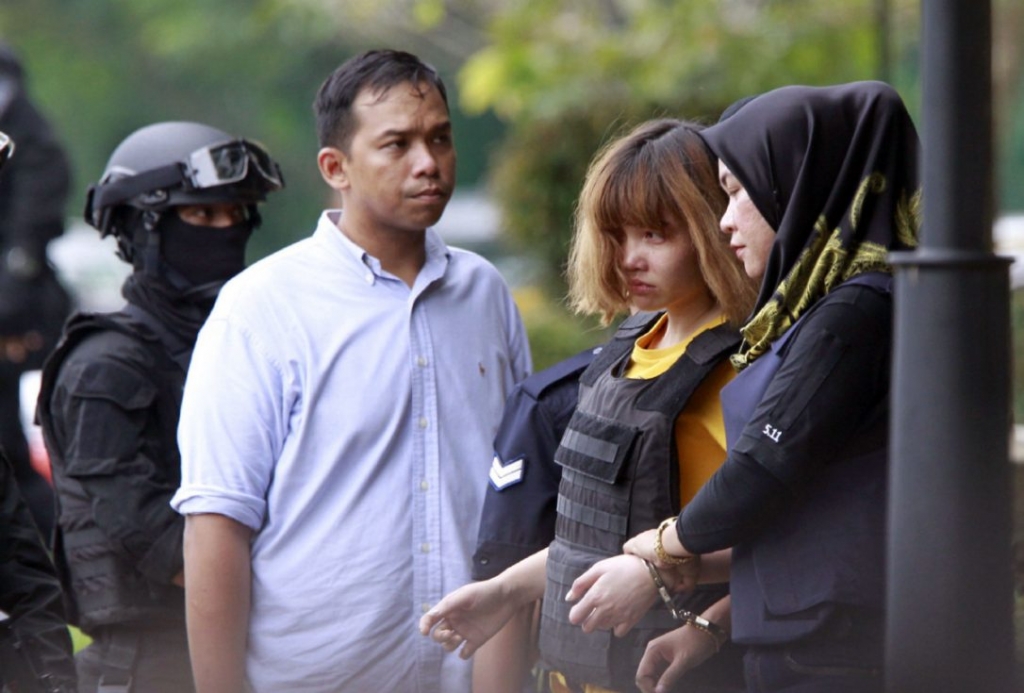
[
  {"x": 469, "y": 616},
  {"x": 472, "y": 614},
  {"x": 613, "y": 594},
  {"x": 642, "y": 545},
  {"x": 679, "y": 577},
  {"x": 670, "y": 656}
]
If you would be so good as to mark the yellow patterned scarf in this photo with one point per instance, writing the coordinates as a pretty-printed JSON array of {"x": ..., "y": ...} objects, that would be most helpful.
[{"x": 823, "y": 265}]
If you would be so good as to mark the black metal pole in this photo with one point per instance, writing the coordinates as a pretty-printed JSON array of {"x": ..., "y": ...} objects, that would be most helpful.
[
  {"x": 883, "y": 33},
  {"x": 950, "y": 590}
]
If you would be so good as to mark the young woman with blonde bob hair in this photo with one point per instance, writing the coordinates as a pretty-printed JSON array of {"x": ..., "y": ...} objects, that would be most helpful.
[
  {"x": 651, "y": 176},
  {"x": 823, "y": 184},
  {"x": 648, "y": 428}
]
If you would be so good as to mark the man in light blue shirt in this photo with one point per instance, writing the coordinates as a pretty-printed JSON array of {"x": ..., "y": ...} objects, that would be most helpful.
[{"x": 339, "y": 413}]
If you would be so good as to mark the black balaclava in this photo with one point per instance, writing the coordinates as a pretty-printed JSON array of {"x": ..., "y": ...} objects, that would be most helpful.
[
  {"x": 834, "y": 171},
  {"x": 203, "y": 254},
  {"x": 179, "y": 286}
]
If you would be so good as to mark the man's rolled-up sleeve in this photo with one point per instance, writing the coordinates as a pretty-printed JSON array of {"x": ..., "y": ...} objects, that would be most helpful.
[{"x": 233, "y": 421}]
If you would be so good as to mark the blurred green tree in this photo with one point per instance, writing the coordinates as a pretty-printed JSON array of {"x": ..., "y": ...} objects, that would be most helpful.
[
  {"x": 103, "y": 68},
  {"x": 541, "y": 83},
  {"x": 567, "y": 75}
]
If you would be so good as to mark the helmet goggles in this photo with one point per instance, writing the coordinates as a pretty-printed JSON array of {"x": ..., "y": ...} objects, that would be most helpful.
[
  {"x": 221, "y": 164},
  {"x": 229, "y": 162}
]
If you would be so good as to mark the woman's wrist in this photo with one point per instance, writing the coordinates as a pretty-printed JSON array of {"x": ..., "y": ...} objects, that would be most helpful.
[
  {"x": 523, "y": 582},
  {"x": 662, "y": 589},
  {"x": 668, "y": 540},
  {"x": 679, "y": 578},
  {"x": 711, "y": 630}
]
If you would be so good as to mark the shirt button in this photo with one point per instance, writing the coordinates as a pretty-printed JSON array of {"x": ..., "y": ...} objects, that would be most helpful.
[
  {"x": 484, "y": 560},
  {"x": 369, "y": 278},
  {"x": 421, "y": 361},
  {"x": 425, "y": 547},
  {"x": 424, "y": 485},
  {"x": 423, "y": 422},
  {"x": 425, "y": 607}
]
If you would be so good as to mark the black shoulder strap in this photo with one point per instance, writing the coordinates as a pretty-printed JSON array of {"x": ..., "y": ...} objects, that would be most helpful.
[
  {"x": 671, "y": 391},
  {"x": 637, "y": 324},
  {"x": 77, "y": 328},
  {"x": 620, "y": 344},
  {"x": 167, "y": 347}
]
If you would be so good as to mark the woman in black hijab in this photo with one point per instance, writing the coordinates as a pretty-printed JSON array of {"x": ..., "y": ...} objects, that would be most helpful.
[{"x": 822, "y": 185}]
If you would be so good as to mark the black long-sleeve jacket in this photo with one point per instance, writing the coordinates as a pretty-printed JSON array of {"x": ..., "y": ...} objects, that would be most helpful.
[
  {"x": 35, "y": 629},
  {"x": 109, "y": 406}
]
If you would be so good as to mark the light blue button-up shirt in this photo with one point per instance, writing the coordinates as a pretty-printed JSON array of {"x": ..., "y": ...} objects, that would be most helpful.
[{"x": 348, "y": 419}]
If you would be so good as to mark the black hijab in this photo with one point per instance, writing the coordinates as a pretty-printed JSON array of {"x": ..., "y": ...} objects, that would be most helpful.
[{"x": 833, "y": 170}]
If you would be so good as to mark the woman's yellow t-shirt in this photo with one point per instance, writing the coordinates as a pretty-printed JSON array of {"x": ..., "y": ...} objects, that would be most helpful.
[{"x": 700, "y": 428}]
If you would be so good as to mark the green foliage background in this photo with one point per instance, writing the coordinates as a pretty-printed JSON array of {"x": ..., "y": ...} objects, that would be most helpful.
[
  {"x": 101, "y": 69},
  {"x": 536, "y": 85}
]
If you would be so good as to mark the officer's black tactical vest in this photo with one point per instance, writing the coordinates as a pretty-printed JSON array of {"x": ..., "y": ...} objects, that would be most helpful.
[
  {"x": 101, "y": 586},
  {"x": 620, "y": 476}
]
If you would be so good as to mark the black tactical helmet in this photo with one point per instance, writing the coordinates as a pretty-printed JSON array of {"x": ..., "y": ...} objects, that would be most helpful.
[{"x": 171, "y": 164}]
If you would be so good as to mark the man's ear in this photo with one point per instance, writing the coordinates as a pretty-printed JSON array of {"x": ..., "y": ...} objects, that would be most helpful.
[{"x": 333, "y": 165}]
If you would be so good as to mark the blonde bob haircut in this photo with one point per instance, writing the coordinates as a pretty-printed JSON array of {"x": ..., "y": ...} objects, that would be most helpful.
[{"x": 660, "y": 170}]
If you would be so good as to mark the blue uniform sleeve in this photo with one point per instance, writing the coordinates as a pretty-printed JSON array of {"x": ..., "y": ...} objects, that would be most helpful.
[{"x": 519, "y": 508}]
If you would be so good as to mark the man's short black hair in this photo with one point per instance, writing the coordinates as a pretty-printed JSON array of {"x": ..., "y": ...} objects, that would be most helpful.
[{"x": 378, "y": 70}]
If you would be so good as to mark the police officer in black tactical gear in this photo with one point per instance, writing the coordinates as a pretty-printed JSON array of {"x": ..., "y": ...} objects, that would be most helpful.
[
  {"x": 33, "y": 303},
  {"x": 35, "y": 648},
  {"x": 181, "y": 200}
]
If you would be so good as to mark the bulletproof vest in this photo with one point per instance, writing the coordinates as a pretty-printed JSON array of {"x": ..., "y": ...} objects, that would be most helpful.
[
  {"x": 101, "y": 585},
  {"x": 620, "y": 476},
  {"x": 813, "y": 544}
]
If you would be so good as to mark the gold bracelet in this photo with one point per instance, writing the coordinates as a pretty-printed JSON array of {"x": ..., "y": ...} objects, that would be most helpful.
[
  {"x": 714, "y": 631},
  {"x": 659, "y": 549}
]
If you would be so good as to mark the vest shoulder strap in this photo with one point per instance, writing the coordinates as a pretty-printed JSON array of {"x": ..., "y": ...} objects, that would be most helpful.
[
  {"x": 82, "y": 325},
  {"x": 672, "y": 390},
  {"x": 620, "y": 344}
]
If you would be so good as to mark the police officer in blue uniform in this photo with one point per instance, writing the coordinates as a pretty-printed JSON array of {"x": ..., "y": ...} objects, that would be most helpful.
[{"x": 519, "y": 509}]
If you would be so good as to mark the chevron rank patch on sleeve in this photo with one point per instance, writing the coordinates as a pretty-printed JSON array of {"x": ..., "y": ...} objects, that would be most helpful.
[{"x": 505, "y": 475}]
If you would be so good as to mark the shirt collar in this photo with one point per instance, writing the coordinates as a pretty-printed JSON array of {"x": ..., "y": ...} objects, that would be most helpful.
[{"x": 437, "y": 253}]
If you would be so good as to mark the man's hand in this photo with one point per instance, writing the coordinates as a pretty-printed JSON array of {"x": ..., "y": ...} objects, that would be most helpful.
[{"x": 670, "y": 656}]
